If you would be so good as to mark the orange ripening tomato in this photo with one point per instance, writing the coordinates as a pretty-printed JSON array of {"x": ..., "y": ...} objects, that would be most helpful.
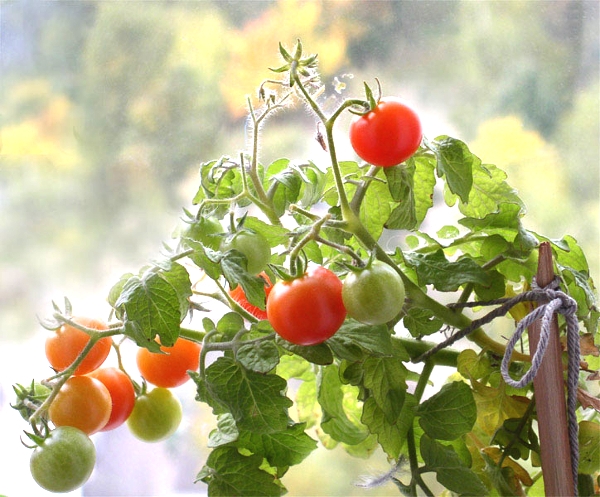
[
  {"x": 122, "y": 395},
  {"x": 82, "y": 402},
  {"x": 169, "y": 369},
  {"x": 239, "y": 296},
  {"x": 64, "y": 345}
]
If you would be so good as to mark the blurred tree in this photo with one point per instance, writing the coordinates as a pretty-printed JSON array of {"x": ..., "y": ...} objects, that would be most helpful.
[
  {"x": 527, "y": 158},
  {"x": 254, "y": 46},
  {"x": 125, "y": 55}
]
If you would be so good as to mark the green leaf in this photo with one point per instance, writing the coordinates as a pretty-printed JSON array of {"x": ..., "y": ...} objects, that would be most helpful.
[
  {"x": 261, "y": 357},
  {"x": 421, "y": 322},
  {"x": 489, "y": 192},
  {"x": 179, "y": 279},
  {"x": 116, "y": 290},
  {"x": 448, "y": 232},
  {"x": 376, "y": 208},
  {"x": 506, "y": 219},
  {"x": 287, "y": 185},
  {"x": 352, "y": 335},
  {"x": 157, "y": 303},
  {"x": 456, "y": 163},
  {"x": 280, "y": 449},
  {"x": 390, "y": 435},
  {"x": 314, "y": 185},
  {"x": 226, "y": 431},
  {"x": 255, "y": 400},
  {"x": 493, "y": 289},
  {"x": 514, "y": 438},
  {"x": 470, "y": 364},
  {"x": 229, "y": 325},
  {"x": 227, "y": 473},
  {"x": 450, "y": 471},
  {"x": 385, "y": 378},
  {"x": 411, "y": 188},
  {"x": 275, "y": 235},
  {"x": 401, "y": 186},
  {"x": 446, "y": 276},
  {"x": 233, "y": 264},
  {"x": 449, "y": 413},
  {"x": 306, "y": 403},
  {"x": 335, "y": 422},
  {"x": 317, "y": 354},
  {"x": 205, "y": 258}
]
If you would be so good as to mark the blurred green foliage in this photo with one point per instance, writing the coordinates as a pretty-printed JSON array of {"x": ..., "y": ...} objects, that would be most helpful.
[{"x": 108, "y": 108}]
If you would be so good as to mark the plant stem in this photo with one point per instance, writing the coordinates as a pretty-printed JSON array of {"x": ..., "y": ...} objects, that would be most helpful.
[
  {"x": 416, "y": 478},
  {"x": 415, "y": 348},
  {"x": 361, "y": 190}
]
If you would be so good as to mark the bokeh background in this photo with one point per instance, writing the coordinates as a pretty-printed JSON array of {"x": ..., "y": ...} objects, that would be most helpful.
[{"x": 108, "y": 107}]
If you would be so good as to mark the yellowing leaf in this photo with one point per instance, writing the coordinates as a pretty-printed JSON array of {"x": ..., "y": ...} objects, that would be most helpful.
[{"x": 494, "y": 406}]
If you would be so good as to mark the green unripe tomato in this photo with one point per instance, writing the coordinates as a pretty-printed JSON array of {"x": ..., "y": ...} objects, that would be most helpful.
[
  {"x": 254, "y": 246},
  {"x": 63, "y": 461},
  {"x": 374, "y": 295},
  {"x": 156, "y": 415},
  {"x": 206, "y": 230}
]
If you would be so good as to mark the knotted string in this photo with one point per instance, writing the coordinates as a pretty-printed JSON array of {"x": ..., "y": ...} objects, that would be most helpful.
[
  {"x": 559, "y": 303},
  {"x": 552, "y": 302}
]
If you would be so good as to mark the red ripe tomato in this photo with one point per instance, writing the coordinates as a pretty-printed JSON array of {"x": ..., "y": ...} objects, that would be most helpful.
[
  {"x": 307, "y": 310},
  {"x": 239, "y": 296},
  {"x": 122, "y": 395},
  {"x": 169, "y": 370},
  {"x": 82, "y": 402},
  {"x": 66, "y": 343},
  {"x": 387, "y": 135}
]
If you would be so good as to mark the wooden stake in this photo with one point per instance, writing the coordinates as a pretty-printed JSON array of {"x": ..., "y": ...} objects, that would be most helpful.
[{"x": 550, "y": 402}]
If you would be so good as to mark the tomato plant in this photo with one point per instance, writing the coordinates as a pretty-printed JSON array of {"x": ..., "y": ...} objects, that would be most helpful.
[
  {"x": 253, "y": 246},
  {"x": 156, "y": 415},
  {"x": 64, "y": 460},
  {"x": 388, "y": 134},
  {"x": 82, "y": 402},
  {"x": 239, "y": 296},
  {"x": 122, "y": 395},
  {"x": 66, "y": 343},
  {"x": 350, "y": 348},
  {"x": 309, "y": 309},
  {"x": 373, "y": 295},
  {"x": 170, "y": 367}
]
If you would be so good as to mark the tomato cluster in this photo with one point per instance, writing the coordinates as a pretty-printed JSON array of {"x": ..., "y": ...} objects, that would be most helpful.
[
  {"x": 306, "y": 309},
  {"x": 95, "y": 398}
]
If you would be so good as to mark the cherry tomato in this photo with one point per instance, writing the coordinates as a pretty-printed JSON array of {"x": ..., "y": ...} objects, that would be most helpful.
[
  {"x": 254, "y": 246},
  {"x": 156, "y": 415},
  {"x": 206, "y": 231},
  {"x": 169, "y": 369},
  {"x": 82, "y": 402},
  {"x": 307, "y": 310},
  {"x": 64, "y": 461},
  {"x": 239, "y": 296},
  {"x": 387, "y": 135},
  {"x": 122, "y": 395},
  {"x": 374, "y": 295},
  {"x": 65, "y": 344}
]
